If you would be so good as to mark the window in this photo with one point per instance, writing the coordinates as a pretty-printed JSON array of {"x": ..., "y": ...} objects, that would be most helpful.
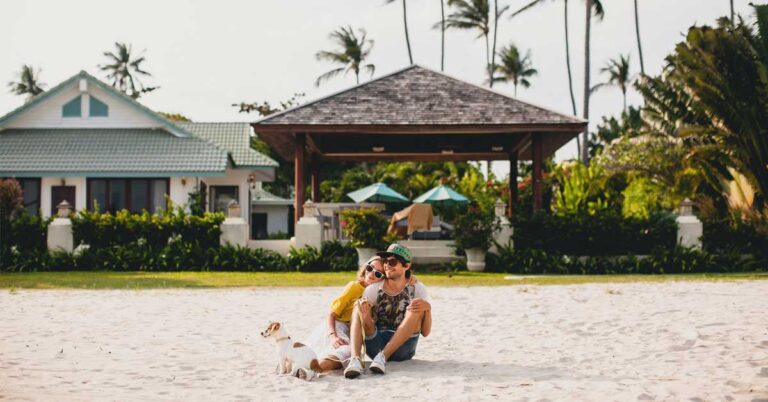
[
  {"x": 135, "y": 195},
  {"x": 31, "y": 191},
  {"x": 72, "y": 108},
  {"x": 97, "y": 108},
  {"x": 221, "y": 196}
]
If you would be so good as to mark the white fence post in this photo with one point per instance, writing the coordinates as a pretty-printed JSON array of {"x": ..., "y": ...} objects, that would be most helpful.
[
  {"x": 504, "y": 235},
  {"x": 689, "y": 227},
  {"x": 60, "y": 237},
  {"x": 234, "y": 229},
  {"x": 309, "y": 230}
]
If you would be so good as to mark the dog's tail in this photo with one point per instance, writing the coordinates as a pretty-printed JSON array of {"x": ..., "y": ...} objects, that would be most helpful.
[{"x": 315, "y": 365}]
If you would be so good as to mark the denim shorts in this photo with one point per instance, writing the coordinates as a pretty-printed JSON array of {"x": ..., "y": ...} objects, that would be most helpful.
[{"x": 376, "y": 342}]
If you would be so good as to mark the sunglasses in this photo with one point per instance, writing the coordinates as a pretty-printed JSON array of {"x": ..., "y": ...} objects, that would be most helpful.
[
  {"x": 392, "y": 262},
  {"x": 378, "y": 274}
]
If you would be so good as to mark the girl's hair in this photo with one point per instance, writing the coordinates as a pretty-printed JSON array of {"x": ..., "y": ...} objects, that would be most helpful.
[{"x": 361, "y": 271}]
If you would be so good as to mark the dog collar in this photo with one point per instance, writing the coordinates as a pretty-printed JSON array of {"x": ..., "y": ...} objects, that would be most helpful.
[{"x": 282, "y": 338}]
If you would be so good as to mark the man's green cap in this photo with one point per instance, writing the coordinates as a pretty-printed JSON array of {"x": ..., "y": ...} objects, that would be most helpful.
[{"x": 396, "y": 250}]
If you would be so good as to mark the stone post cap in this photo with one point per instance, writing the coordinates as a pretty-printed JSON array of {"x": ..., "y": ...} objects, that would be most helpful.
[
  {"x": 310, "y": 209},
  {"x": 686, "y": 207},
  {"x": 500, "y": 208},
  {"x": 63, "y": 209},
  {"x": 233, "y": 209}
]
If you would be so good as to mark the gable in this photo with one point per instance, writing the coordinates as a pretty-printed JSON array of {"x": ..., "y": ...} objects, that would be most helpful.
[{"x": 72, "y": 108}]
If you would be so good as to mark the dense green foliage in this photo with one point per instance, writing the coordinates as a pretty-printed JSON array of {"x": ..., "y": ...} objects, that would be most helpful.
[
  {"x": 607, "y": 233},
  {"x": 365, "y": 227},
  {"x": 474, "y": 229},
  {"x": 674, "y": 260}
]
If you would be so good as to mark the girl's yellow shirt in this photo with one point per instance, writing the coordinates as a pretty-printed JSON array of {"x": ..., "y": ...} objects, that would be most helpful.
[{"x": 344, "y": 304}]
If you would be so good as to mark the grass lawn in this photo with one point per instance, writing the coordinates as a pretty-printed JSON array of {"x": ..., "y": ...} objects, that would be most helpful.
[{"x": 154, "y": 280}]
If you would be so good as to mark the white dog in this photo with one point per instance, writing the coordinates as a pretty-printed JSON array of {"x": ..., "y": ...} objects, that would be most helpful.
[{"x": 294, "y": 358}]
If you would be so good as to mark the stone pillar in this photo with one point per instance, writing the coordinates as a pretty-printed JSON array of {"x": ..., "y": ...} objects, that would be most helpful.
[
  {"x": 60, "y": 237},
  {"x": 689, "y": 227},
  {"x": 309, "y": 230},
  {"x": 234, "y": 229},
  {"x": 504, "y": 235}
]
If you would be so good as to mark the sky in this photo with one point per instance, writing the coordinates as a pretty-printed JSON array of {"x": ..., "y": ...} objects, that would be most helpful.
[{"x": 207, "y": 55}]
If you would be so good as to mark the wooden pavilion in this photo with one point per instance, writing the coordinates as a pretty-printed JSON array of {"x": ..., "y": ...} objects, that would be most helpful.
[{"x": 415, "y": 114}]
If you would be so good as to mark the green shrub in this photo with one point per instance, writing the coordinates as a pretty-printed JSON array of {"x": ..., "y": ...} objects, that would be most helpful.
[
  {"x": 365, "y": 227},
  {"x": 236, "y": 258},
  {"x": 606, "y": 233},
  {"x": 729, "y": 236},
  {"x": 339, "y": 256},
  {"x": 307, "y": 259},
  {"x": 474, "y": 229},
  {"x": 23, "y": 242}
]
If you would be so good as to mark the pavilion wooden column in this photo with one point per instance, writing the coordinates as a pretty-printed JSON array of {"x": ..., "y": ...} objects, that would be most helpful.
[
  {"x": 512, "y": 204},
  {"x": 299, "y": 175},
  {"x": 314, "y": 179},
  {"x": 537, "y": 156}
]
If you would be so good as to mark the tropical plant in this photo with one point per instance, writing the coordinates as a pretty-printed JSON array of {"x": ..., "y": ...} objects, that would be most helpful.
[
  {"x": 405, "y": 25},
  {"x": 475, "y": 15},
  {"x": 514, "y": 67},
  {"x": 11, "y": 199},
  {"x": 581, "y": 189},
  {"x": 474, "y": 229},
  {"x": 618, "y": 75},
  {"x": 124, "y": 70},
  {"x": 628, "y": 125},
  {"x": 352, "y": 54},
  {"x": 365, "y": 227},
  {"x": 29, "y": 82},
  {"x": 720, "y": 75},
  {"x": 175, "y": 117}
]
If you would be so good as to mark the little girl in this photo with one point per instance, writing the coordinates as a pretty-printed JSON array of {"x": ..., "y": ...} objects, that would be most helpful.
[{"x": 335, "y": 346}]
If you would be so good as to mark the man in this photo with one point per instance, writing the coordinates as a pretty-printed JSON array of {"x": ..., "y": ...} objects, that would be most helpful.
[{"x": 392, "y": 313}]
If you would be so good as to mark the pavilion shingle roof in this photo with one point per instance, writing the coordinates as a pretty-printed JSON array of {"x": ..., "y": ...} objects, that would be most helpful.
[
  {"x": 417, "y": 96},
  {"x": 106, "y": 151}
]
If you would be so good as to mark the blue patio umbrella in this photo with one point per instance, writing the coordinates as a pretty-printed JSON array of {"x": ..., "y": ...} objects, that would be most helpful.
[
  {"x": 377, "y": 192},
  {"x": 442, "y": 195}
]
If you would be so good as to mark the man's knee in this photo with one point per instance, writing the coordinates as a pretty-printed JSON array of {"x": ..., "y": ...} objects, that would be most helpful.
[{"x": 413, "y": 320}]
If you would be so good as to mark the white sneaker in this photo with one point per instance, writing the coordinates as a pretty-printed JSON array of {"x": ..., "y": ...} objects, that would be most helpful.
[
  {"x": 354, "y": 368},
  {"x": 377, "y": 366}
]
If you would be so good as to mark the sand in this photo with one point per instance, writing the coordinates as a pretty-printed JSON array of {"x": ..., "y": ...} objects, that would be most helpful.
[{"x": 672, "y": 341}]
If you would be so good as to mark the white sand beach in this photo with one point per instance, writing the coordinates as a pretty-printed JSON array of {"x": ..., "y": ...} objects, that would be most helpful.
[{"x": 673, "y": 341}]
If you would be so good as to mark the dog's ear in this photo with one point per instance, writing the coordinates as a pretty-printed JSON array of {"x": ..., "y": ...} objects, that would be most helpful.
[{"x": 273, "y": 327}]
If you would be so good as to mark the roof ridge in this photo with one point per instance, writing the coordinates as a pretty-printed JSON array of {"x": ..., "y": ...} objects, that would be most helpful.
[
  {"x": 496, "y": 92},
  {"x": 273, "y": 115}
]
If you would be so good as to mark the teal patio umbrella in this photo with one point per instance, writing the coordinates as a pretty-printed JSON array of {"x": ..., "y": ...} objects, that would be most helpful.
[
  {"x": 377, "y": 192},
  {"x": 442, "y": 195}
]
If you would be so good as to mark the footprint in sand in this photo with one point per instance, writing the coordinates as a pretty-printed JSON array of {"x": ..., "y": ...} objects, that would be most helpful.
[{"x": 763, "y": 372}]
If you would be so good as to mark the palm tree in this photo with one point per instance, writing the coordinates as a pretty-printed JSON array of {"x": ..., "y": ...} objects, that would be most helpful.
[
  {"x": 29, "y": 82},
  {"x": 593, "y": 6},
  {"x": 473, "y": 14},
  {"x": 351, "y": 56},
  {"x": 567, "y": 45},
  {"x": 513, "y": 68},
  {"x": 405, "y": 24},
  {"x": 640, "y": 46},
  {"x": 497, "y": 13},
  {"x": 125, "y": 69},
  {"x": 732, "y": 15},
  {"x": 618, "y": 75}
]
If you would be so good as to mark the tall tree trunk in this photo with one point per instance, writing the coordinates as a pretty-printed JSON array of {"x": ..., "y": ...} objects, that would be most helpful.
[
  {"x": 568, "y": 61},
  {"x": 492, "y": 68},
  {"x": 732, "y": 14},
  {"x": 407, "y": 39},
  {"x": 585, "y": 113},
  {"x": 624, "y": 94},
  {"x": 357, "y": 77},
  {"x": 488, "y": 60},
  {"x": 639, "y": 46},
  {"x": 442, "y": 35}
]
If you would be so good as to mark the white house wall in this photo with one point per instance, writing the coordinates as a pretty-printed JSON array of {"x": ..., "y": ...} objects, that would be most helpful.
[
  {"x": 277, "y": 217},
  {"x": 235, "y": 177},
  {"x": 45, "y": 192},
  {"x": 48, "y": 114},
  {"x": 180, "y": 189}
]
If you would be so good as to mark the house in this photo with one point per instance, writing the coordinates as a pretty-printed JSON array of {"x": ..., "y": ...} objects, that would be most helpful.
[{"x": 87, "y": 143}]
